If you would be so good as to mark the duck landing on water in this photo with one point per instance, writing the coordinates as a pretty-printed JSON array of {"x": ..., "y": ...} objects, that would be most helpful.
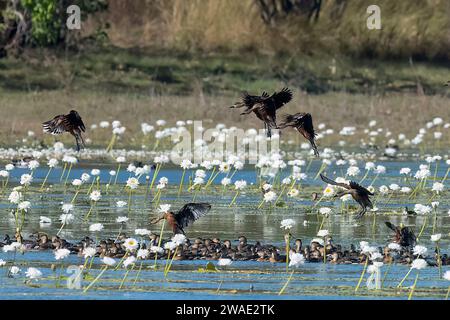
[
  {"x": 71, "y": 123},
  {"x": 358, "y": 193}
]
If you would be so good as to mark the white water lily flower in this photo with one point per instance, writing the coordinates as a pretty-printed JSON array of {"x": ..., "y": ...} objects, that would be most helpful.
[
  {"x": 96, "y": 227},
  {"x": 420, "y": 250},
  {"x": 380, "y": 169},
  {"x": 85, "y": 177},
  {"x": 89, "y": 252},
  {"x": 66, "y": 218},
  {"x": 33, "y": 273},
  {"x": 14, "y": 270},
  {"x": 405, "y": 171},
  {"x": 132, "y": 183},
  {"x": 418, "y": 264},
  {"x": 142, "y": 254},
  {"x": 225, "y": 181},
  {"x": 95, "y": 196},
  {"x": 383, "y": 190},
  {"x": 270, "y": 196},
  {"x": 52, "y": 163},
  {"x": 131, "y": 244},
  {"x": 322, "y": 233},
  {"x": 325, "y": 211},
  {"x": 329, "y": 191},
  {"x": 224, "y": 262},
  {"x": 422, "y": 209},
  {"x": 128, "y": 261},
  {"x": 33, "y": 164},
  {"x": 293, "y": 193},
  {"x": 437, "y": 187},
  {"x": 44, "y": 220},
  {"x": 375, "y": 256},
  {"x": 8, "y": 248},
  {"x": 9, "y": 167},
  {"x": 24, "y": 205},
  {"x": 26, "y": 179},
  {"x": 142, "y": 232},
  {"x": 77, "y": 182},
  {"x": 67, "y": 207},
  {"x": 170, "y": 245},
  {"x": 179, "y": 239},
  {"x": 2, "y": 263},
  {"x": 353, "y": 171},
  {"x": 121, "y": 204},
  {"x": 15, "y": 197},
  {"x": 296, "y": 259},
  {"x": 394, "y": 246},
  {"x": 122, "y": 219},
  {"x": 61, "y": 254},
  {"x": 434, "y": 204},
  {"x": 287, "y": 224},
  {"x": 156, "y": 249},
  {"x": 394, "y": 187},
  {"x": 109, "y": 261},
  {"x": 240, "y": 184},
  {"x": 164, "y": 208},
  {"x": 266, "y": 186},
  {"x": 318, "y": 240},
  {"x": 447, "y": 275},
  {"x": 436, "y": 237},
  {"x": 405, "y": 190}
]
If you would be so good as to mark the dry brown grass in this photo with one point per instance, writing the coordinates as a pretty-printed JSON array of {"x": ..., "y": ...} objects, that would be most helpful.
[
  {"x": 419, "y": 28},
  {"x": 400, "y": 113}
]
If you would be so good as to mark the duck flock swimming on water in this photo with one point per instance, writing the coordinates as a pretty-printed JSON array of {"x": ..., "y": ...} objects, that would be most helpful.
[
  {"x": 265, "y": 107},
  {"x": 399, "y": 251}
]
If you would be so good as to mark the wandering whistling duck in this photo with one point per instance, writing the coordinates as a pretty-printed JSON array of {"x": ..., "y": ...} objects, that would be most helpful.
[
  {"x": 304, "y": 124},
  {"x": 70, "y": 123},
  {"x": 265, "y": 106},
  {"x": 358, "y": 193},
  {"x": 184, "y": 217},
  {"x": 404, "y": 236}
]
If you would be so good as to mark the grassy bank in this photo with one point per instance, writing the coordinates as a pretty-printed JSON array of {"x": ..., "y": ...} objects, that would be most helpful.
[
  {"x": 168, "y": 72},
  {"x": 136, "y": 86}
]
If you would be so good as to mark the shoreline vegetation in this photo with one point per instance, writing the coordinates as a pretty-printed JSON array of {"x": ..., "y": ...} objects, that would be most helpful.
[{"x": 164, "y": 85}]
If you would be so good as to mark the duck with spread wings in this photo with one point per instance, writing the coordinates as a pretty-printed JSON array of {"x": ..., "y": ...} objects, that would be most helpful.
[
  {"x": 304, "y": 124},
  {"x": 265, "y": 107},
  {"x": 404, "y": 236},
  {"x": 358, "y": 193},
  {"x": 71, "y": 123},
  {"x": 184, "y": 217}
]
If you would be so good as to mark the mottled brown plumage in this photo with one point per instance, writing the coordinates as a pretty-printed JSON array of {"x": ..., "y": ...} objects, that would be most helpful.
[
  {"x": 358, "y": 193},
  {"x": 71, "y": 123},
  {"x": 184, "y": 217},
  {"x": 304, "y": 124},
  {"x": 265, "y": 106}
]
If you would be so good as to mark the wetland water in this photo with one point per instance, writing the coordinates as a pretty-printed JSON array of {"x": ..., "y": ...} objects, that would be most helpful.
[{"x": 242, "y": 279}]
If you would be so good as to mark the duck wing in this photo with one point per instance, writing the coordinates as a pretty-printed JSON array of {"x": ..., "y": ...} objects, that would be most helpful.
[
  {"x": 57, "y": 125},
  {"x": 334, "y": 183},
  {"x": 357, "y": 186},
  {"x": 191, "y": 212}
]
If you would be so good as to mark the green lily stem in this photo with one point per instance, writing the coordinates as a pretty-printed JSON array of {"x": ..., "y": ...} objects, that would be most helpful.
[
  {"x": 413, "y": 287},
  {"x": 45, "y": 179},
  {"x": 234, "y": 199},
  {"x": 362, "y": 274},
  {"x": 96, "y": 279},
  {"x": 286, "y": 284}
]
